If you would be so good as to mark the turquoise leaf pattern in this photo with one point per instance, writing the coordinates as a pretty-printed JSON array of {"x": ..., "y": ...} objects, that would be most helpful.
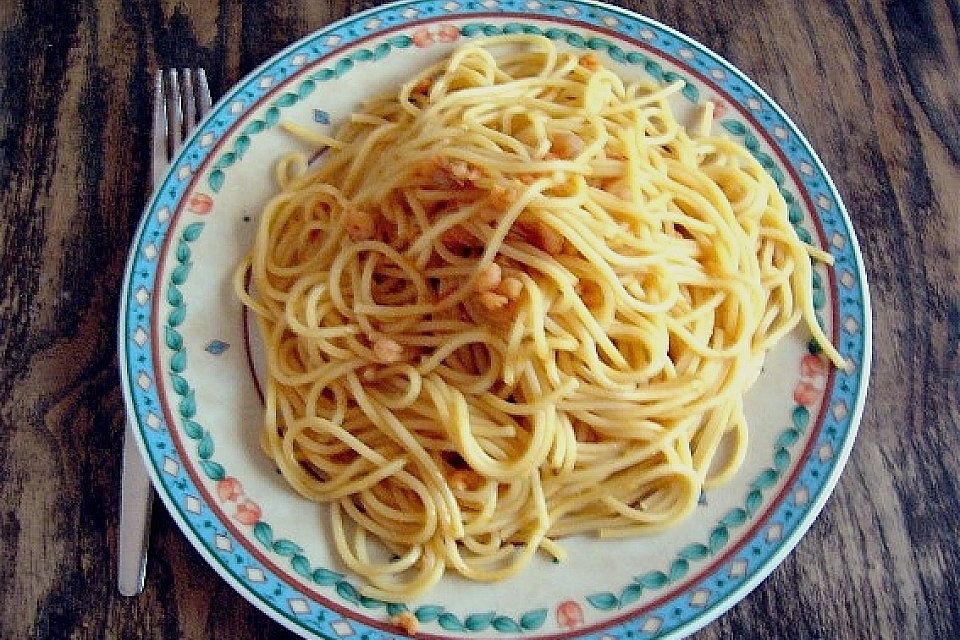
[
  {"x": 695, "y": 551},
  {"x": 754, "y": 498},
  {"x": 285, "y": 547},
  {"x": 180, "y": 387},
  {"x": 213, "y": 470},
  {"x": 735, "y": 127},
  {"x": 192, "y": 231},
  {"x": 325, "y": 577},
  {"x": 604, "y": 601},
  {"x": 533, "y": 619},
  {"x": 690, "y": 92},
  {"x": 306, "y": 88},
  {"x": 176, "y": 317},
  {"x": 216, "y": 179},
  {"x": 263, "y": 532},
  {"x": 255, "y": 127},
  {"x": 188, "y": 406},
  {"x": 183, "y": 250},
  {"x": 286, "y": 100},
  {"x": 678, "y": 569},
  {"x": 428, "y": 613},
  {"x": 301, "y": 565},
  {"x": 371, "y": 603},
  {"x": 718, "y": 538},
  {"x": 450, "y": 622},
  {"x": 180, "y": 273},
  {"x": 174, "y": 297},
  {"x": 654, "y": 579},
  {"x": 193, "y": 430},
  {"x": 503, "y": 624},
  {"x": 781, "y": 459},
  {"x": 478, "y": 621},
  {"x": 173, "y": 339},
  {"x": 631, "y": 593},
  {"x": 271, "y": 116},
  {"x": 735, "y": 518},
  {"x": 348, "y": 592},
  {"x": 787, "y": 438},
  {"x": 766, "y": 479},
  {"x": 205, "y": 447},
  {"x": 801, "y": 416}
]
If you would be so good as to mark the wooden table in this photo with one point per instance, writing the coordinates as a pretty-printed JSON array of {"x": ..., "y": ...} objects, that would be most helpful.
[{"x": 873, "y": 83}]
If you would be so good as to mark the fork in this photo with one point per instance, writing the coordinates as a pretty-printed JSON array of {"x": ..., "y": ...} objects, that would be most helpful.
[{"x": 178, "y": 105}]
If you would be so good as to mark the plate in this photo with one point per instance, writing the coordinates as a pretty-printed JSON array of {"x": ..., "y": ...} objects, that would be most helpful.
[{"x": 189, "y": 380}]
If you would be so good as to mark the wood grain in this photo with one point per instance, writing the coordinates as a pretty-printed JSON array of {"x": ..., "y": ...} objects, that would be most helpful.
[{"x": 873, "y": 83}]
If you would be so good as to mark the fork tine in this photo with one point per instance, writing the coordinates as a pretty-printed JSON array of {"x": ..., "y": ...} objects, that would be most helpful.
[
  {"x": 136, "y": 497},
  {"x": 174, "y": 112},
  {"x": 159, "y": 157},
  {"x": 189, "y": 101},
  {"x": 203, "y": 90}
]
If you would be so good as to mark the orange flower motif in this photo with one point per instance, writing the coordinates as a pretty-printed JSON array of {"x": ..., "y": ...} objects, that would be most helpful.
[
  {"x": 229, "y": 489},
  {"x": 806, "y": 394},
  {"x": 200, "y": 203},
  {"x": 248, "y": 512},
  {"x": 422, "y": 37},
  {"x": 812, "y": 366},
  {"x": 448, "y": 33},
  {"x": 569, "y": 614}
]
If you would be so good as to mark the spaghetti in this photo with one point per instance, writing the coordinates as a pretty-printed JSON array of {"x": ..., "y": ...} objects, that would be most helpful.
[{"x": 516, "y": 301}]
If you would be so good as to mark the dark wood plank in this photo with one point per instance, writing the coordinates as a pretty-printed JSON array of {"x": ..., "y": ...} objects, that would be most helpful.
[{"x": 874, "y": 85}]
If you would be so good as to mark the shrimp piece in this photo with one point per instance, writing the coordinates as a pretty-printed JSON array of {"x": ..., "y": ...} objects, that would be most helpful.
[
  {"x": 489, "y": 277},
  {"x": 359, "y": 224},
  {"x": 511, "y": 287},
  {"x": 446, "y": 173},
  {"x": 585, "y": 433},
  {"x": 589, "y": 293},
  {"x": 489, "y": 215},
  {"x": 465, "y": 480},
  {"x": 423, "y": 87},
  {"x": 566, "y": 144},
  {"x": 542, "y": 236},
  {"x": 387, "y": 350},
  {"x": 618, "y": 188},
  {"x": 457, "y": 239},
  {"x": 590, "y": 62},
  {"x": 463, "y": 173},
  {"x": 503, "y": 197},
  {"x": 527, "y": 178},
  {"x": 492, "y": 301}
]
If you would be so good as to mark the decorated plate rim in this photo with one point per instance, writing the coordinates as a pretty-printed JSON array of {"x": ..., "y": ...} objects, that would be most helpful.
[{"x": 839, "y": 460}]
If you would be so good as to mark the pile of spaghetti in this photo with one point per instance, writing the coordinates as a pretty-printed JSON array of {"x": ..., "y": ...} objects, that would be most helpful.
[{"x": 516, "y": 301}]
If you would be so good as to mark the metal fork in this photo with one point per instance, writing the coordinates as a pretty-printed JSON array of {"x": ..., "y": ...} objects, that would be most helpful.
[{"x": 180, "y": 100}]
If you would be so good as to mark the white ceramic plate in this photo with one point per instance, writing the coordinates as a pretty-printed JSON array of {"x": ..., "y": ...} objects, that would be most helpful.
[{"x": 189, "y": 383}]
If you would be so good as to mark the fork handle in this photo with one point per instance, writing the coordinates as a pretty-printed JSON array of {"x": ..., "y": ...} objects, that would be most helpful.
[{"x": 134, "y": 533}]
